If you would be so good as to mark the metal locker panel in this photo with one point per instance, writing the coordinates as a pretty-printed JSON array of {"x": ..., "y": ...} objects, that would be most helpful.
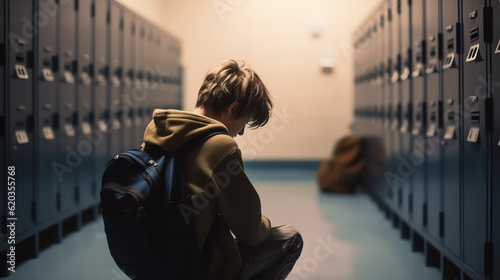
[
  {"x": 159, "y": 92},
  {"x": 495, "y": 166},
  {"x": 475, "y": 145},
  {"x": 46, "y": 116},
  {"x": 68, "y": 154},
  {"x": 452, "y": 125},
  {"x": 20, "y": 112},
  {"x": 149, "y": 71},
  {"x": 434, "y": 127},
  {"x": 127, "y": 100},
  {"x": 101, "y": 93},
  {"x": 115, "y": 72},
  {"x": 395, "y": 178},
  {"x": 164, "y": 74},
  {"x": 88, "y": 134},
  {"x": 139, "y": 91},
  {"x": 418, "y": 152},
  {"x": 406, "y": 111},
  {"x": 178, "y": 73}
]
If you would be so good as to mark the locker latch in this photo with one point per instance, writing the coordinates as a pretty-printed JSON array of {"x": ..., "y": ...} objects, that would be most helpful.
[
  {"x": 450, "y": 132},
  {"x": 85, "y": 78},
  {"x": 418, "y": 70},
  {"x": 103, "y": 126},
  {"x": 21, "y": 71},
  {"x": 431, "y": 67},
  {"x": 473, "y": 135},
  {"x": 473, "y": 53},
  {"x": 86, "y": 128},
  {"x": 47, "y": 75},
  {"x": 22, "y": 137},
  {"x": 395, "y": 77},
  {"x": 68, "y": 128},
  {"x": 48, "y": 133},
  {"x": 405, "y": 74},
  {"x": 431, "y": 131},
  {"x": 68, "y": 77},
  {"x": 498, "y": 47},
  {"x": 449, "y": 61}
]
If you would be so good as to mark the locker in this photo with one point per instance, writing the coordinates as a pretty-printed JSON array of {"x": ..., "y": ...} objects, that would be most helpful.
[
  {"x": 475, "y": 135},
  {"x": 68, "y": 155},
  {"x": 389, "y": 113},
  {"x": 495, "y": 166},
  {"x": 452, "y": 125},
  {"x": 139, "y": 93},
  {"x": 150, "y": 83},
  {"x": 88, "y": 135},
  {"x": 46, "y": 116},
  {"x": 101, "y": 93},
  {"x": 395, "y": 179},
  {"x": 177, "y": 96},
  {"x": 115, "y": 71},
  {"x": 406, "y": 207},
  {"x": 434, "y": 128},
  {"x": 164, "y": 74},
  {"x": 127, "y": 103},
  {"x": 419, "y": 151},
  {"x": 20, "y": 111}
]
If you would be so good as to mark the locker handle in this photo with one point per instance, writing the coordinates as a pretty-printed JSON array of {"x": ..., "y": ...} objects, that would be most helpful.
[
  {"x": 21, "y": 72},
  {"x": 473, "y": 135},
  {"x": 47, "y": 75},
  {"x": 431, "y": 131},
  {"x": 115, "y": 81},
  {"x": 497, "y": 51},
  {"x": 431, "y": 68},
  {"x": 418, "y": 70},
  {"x": 85, "y": 78},
  {"x": 395, "y": 77},
  {"x": 449, "y": 61},
  {"x": 68, "y": 77},
  {"x": 450, "y": 133},
  {"x": 405, "y": 74},
  {"x": 473, "y": 53}
]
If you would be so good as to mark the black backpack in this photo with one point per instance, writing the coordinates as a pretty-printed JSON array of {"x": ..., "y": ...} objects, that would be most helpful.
[{"x": 148, "y": 237}]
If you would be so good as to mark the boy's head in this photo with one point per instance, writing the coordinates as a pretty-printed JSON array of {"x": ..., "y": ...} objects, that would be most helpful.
[{"x": 237, "y": 90}]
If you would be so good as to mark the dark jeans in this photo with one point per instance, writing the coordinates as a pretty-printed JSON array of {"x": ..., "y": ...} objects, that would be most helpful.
[{"x": 274, "y": 258}]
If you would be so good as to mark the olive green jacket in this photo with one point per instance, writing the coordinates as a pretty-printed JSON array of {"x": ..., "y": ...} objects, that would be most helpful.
[{"x": 218, "y": 185}]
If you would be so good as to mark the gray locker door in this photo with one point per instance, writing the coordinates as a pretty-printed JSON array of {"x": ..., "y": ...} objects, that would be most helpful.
[
  {"x": 434, "y": 118},
  {"x": 164, "y": 75},
  {"x": 21, "y": 141},
  {"x": 46, "y": 117},
  {"x": 127, "y": 102},
  {"x": 452, "y": 126},
  {"x": 475, "y": 147},
  {"x": 395, "y": 178},
  {"x": 406, "y": 110},
  {"x": 115, "y": 71},
  {"x": 418, "y": 154},
  {"x": 495, "y": 59},
  {"x": 88, "y": 134},
  {"x": 139, "y": 92},
  {"x": 150, "y": 72},
  {"x": 67, "y": 152},
  {"x": 101, "y": 93}
]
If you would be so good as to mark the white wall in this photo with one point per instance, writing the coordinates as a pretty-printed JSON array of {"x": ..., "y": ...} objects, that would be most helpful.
[{"x": 275, "y": 37}]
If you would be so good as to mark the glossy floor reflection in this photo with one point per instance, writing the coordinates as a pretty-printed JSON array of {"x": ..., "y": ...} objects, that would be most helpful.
[{"x": 346, "y": 237}]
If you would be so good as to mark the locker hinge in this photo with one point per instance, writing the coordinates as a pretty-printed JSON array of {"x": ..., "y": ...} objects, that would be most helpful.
[
  {"x": 488, "y": 103},
  {"x": 488, "y": 24},
  {"x": 424, "y": 214},
  {"x": 441, "y": 224},
  {"x": 488, "y": 258}
]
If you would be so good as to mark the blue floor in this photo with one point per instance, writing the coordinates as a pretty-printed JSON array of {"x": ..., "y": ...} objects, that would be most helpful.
[{"x": 346, "y": 237}]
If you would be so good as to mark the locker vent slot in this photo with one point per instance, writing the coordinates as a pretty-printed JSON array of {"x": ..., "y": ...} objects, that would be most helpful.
[
  {"x": 474, "y": 116},
  {"x": 451, "y": 44},
  {"x": 474, "y": 34},
  {"x": 498, "y": 47},
  {"x": 473, "y": 53}
]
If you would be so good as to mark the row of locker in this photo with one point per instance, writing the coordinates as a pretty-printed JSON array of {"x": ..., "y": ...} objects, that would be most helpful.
[
  {"x": 427, "y": 86},
  {"x": 81, "y": 80}
]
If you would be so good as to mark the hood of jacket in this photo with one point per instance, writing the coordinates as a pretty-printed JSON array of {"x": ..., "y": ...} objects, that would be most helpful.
[{"x": 171, "y": 128}]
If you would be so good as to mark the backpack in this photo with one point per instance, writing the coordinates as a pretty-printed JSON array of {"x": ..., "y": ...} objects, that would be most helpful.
[{"x": 147, "y": 235}]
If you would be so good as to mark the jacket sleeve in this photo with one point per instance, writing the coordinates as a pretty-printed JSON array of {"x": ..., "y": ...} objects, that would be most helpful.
[{"x": 238, "y": 202}]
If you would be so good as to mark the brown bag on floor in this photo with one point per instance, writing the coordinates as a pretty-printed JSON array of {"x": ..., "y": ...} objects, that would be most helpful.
[{"x": 344, "y": 171}]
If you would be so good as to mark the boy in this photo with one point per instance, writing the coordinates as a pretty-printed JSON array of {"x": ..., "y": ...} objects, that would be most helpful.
[{"x": 230, "y": 97}]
